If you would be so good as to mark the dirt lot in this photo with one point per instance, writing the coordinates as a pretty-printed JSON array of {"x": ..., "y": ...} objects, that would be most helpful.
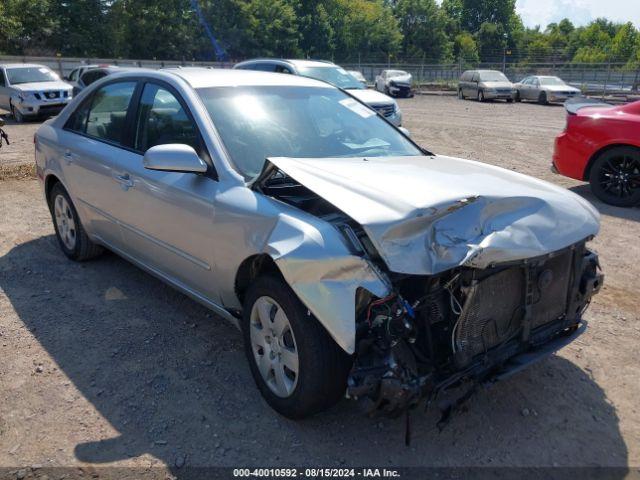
[{"x": 101, "y": 364}]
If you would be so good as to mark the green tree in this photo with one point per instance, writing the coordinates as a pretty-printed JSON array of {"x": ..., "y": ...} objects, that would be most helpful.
[
  {"x": 475, "y": 13},
  {"x": 624, "y": 43},
  {"x": 423, "y": 26},
  {"x": 82, "y": 28},
  {"x": 30, "y": 27},
  {"x": 491, "y": 40},
  {"x": 270, "y": 29},
  {"x": 162, "y": 29},
  {"x": 466, "y": 49},
  {"x": 316, "y": 29},
  {"x": 365, "y": 27}
]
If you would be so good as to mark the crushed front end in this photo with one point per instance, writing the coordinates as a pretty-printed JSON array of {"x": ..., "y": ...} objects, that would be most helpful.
[{"x": 466, "y": 324}]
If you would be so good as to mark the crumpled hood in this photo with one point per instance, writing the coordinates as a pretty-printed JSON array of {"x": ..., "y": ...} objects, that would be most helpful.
[
  {"x": 372, "y": 97},
  {"x": 426, "y": 214},
  {"x": 402, "y": 80},
  {"x": 42, "y": 86}
]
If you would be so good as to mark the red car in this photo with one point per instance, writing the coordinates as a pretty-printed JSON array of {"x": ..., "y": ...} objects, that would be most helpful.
[{"x": 601, "y": 145}]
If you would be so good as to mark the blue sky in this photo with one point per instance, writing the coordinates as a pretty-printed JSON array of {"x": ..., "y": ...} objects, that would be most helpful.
[{"x": 580, "y": 12}]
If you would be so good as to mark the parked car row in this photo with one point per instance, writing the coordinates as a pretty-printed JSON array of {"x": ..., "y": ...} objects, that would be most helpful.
[
  {"x": 332, "y": 74},
  {"x": 485, "y": 85}
]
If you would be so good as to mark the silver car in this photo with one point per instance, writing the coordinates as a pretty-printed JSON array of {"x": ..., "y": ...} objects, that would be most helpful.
[
  {"x": 351, "y": 258},
  {"x": 544, "y": 89},
  {"x": 485, "y": 85},
  {"x": 333, "y": 74},
  {"x": 396, "y": 83},
  {"x": 29, "y": 90}
]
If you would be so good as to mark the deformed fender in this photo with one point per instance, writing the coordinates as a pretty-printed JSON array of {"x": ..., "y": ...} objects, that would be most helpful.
[{"x": 324, "y": 275}]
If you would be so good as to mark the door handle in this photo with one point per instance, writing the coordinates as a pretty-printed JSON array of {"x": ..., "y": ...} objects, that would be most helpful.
[
  {"x": 68, "y": 157},
  {"x": 124, "y": 180}
]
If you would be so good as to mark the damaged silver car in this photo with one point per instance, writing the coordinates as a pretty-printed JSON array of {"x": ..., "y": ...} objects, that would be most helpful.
[{"x": 352, "y": 259}]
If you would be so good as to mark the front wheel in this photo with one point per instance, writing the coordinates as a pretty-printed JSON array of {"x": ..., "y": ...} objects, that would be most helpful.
[
  {"x": 296, "y": 365},
  {"x": 518, "y": 97},
  {"x": 481, "y": 96},
  {"x": 460, "y": 94},
  {"x": 17, "y": 115},
  {"x": 615, "y": 177},
  {"x": 73, "y": 240}
]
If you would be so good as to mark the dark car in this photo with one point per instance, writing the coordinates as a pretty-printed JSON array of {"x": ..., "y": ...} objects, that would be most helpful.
[{"x": 92, "y": 75}]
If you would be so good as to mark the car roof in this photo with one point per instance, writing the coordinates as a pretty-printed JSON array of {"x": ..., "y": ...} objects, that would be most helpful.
[
  {"x": 292, "y": 61},
  {"x": 25, "y": 65},
  {"x": 199, "y": 77}
]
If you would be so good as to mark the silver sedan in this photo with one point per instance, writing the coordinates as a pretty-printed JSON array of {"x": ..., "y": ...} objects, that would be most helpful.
[
  {"x": 351, "y": 258},
  {"x": 544, "y": 89}
]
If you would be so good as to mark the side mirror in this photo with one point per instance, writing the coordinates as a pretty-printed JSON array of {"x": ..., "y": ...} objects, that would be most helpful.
[
  {"x": 173, "y": 157},
  {"x": 405, "y": 131}
]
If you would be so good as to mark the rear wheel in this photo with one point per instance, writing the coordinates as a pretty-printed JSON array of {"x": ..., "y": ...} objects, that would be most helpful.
[
  {"x": 542, "y": 98},
  {"x": 481, "y": 96},
  {"x": 71, "y": 235},
  {"x": 460, "y": 94},
  {"x": 615, "y": 177},
  {"x": 296, "y": 365}
]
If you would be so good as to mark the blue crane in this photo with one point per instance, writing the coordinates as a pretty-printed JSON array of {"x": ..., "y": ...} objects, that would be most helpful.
[{"x": 221, "y": 54}]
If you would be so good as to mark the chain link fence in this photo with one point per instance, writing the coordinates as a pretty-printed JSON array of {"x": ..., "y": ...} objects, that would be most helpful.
[{"x": 591, "y": 78}]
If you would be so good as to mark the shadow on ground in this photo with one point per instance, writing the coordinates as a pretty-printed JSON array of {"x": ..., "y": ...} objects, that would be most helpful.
[
  {"x": 584, "y": 191},
  {"x": 172, "y": 380}
]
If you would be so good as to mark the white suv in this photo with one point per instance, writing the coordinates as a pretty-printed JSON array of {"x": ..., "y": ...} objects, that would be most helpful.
[
  {"x": 29, "y": 90},
  {"x": 333, "y": 74}
]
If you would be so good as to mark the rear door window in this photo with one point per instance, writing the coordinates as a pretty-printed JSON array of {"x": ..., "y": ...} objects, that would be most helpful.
[{"x": 108, "y": 112}]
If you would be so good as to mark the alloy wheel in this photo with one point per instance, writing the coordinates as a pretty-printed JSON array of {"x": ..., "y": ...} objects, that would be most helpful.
[
  {"x": 620, "y": 176},
  {"x": 274, "y": 346},
  {"x": 65, "y": 222}
]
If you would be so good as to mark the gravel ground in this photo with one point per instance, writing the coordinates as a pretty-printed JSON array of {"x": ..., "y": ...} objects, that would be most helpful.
[{"x": 103, "y": 364}]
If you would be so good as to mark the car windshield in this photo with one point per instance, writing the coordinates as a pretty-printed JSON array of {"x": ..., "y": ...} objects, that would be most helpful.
[
  {"x": 313, "y": 122},
  {"x": 20, "y": 75},
  {"x": 493, "y": 77},
  {"x": 551, "y": 81},
  {"x": 333, "y": 75},
  {"x": 396, "y": 73}
]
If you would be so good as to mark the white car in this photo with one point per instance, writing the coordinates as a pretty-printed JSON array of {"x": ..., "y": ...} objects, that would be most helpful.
[
  {"x": 333, "y": 74},
  {"x": 396, "y": 83},
  {"x": 29, "y": 90}
]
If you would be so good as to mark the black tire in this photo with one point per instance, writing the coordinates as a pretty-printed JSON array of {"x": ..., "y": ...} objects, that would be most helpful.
[
  {"x": 518, "y": 98},
  {"x": 481, "y": 96},
  {"x": 615, "y": 176},
  {"x": 15, "y": 113},
  {"x": 83, "y": 248},
  {"x": 460, "y": 94},
  {"x": 542, "y": 98},
  {"x": 322, "y": 365},
  {"x": 509, "y": 100}
]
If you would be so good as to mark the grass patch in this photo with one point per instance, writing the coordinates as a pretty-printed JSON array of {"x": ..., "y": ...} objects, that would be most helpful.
[{"x": 17, "y": 172}]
